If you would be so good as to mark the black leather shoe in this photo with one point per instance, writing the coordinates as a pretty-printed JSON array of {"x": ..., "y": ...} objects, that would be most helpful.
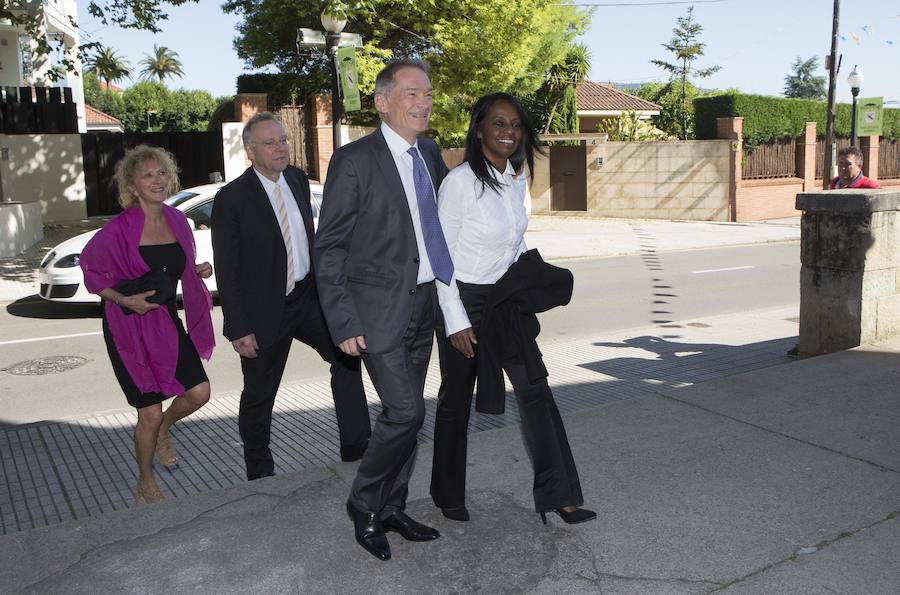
[
  {"x": 408, "y": 528},
  {"x": 353, "y": 452},
  {"x": 260, "y": 475},
  {"x": 369, "y": 533},
  {"x": 457, "y": 513}
]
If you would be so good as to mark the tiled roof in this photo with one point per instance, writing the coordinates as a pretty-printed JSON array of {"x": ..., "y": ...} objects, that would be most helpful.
[
  {"x": 95, "y": 116},
  {"x": 104, "y": 86},
  {"x": 594, "y": 97}
]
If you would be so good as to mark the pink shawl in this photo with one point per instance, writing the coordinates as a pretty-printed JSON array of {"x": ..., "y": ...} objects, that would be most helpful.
[{"x": 148, "y": 344}]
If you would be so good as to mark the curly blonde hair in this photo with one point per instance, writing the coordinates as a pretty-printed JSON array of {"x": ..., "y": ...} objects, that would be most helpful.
[{"x": 127, "y": 166}]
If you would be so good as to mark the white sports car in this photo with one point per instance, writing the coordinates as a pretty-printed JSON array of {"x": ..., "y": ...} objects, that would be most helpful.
[{"x": 61, "y": 278}]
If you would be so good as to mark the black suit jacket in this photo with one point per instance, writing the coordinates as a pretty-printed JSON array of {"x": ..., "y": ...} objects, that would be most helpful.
[
  {"x": 250, "y": 257},
  {"x": 366, "y": 256}
]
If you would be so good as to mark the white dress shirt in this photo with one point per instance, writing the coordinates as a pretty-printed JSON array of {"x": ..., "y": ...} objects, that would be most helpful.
[
  {"x": 298, "y": 230},
  {"x": 485, "y": 232},
  {"x": 399, "y": 147}
]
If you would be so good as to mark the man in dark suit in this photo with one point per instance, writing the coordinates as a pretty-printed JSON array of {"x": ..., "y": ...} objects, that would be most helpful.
[
  {"x": 262, "y": 232},
  {"x": 379, "y": 248}
]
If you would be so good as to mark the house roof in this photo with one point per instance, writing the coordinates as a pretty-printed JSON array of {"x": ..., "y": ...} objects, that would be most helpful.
[
  {"x": 104, "y": 86},
  {"x": 595, "y": 97},
  {"x": 95, "y": 116}
]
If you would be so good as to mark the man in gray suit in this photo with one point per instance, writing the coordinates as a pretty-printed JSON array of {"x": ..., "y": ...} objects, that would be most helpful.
[{"x": 378, "y": 250}]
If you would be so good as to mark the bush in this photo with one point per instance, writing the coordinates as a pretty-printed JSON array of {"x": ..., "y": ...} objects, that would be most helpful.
[{"x": 772, "y": 118}]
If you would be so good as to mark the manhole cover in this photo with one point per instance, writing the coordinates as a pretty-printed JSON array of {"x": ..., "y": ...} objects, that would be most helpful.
[{"x": 46, "y": 365}]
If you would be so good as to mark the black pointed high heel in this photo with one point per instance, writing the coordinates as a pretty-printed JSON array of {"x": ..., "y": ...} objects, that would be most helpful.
[{"x": 579, "y": 515}]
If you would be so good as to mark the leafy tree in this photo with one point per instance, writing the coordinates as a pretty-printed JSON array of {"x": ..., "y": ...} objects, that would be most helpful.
[
  {"x": 109, "y": 66},
  {"x": 149, "y": 106},
  {"x": 686, "y": 48},
  {"x": 106, "y": 101},
  {"x": 163, "y": 63},
  {"x": 473, "y": 46},
  {"x": 673, "y": 119},
  {"x": 802, "y": 83}
]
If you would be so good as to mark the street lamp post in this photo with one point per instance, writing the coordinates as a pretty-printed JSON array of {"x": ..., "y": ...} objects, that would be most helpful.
[
  {"x": 333, "y": 26},
  {"x": 856, "y": 80}
]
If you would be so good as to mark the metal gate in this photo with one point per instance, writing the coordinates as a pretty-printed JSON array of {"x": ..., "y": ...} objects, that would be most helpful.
[
  {"x": 295, "y": 120},
  {"x": 568, "y": 178}
]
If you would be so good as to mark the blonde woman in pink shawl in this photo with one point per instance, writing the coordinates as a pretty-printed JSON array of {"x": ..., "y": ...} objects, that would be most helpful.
[{"x": 134, "y": 263}]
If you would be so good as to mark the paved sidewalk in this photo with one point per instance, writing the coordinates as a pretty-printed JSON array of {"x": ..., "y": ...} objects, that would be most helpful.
[
  {"x": 54, "y": 472},
  {"x": 777, "y": 479}
]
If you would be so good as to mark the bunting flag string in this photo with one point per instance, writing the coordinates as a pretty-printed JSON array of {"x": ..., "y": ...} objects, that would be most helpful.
[{"x": 866, "y": 32}]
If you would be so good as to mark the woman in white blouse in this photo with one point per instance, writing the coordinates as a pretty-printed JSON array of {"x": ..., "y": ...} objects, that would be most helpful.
[{"x": 482, "y": 213}]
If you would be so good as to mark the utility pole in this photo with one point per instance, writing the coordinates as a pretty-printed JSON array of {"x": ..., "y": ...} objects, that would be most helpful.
[{"x": 832, "y": 80}]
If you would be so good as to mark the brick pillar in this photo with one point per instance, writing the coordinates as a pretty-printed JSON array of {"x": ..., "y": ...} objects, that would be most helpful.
[
  {"x": 869, "y": 146},
  {"x": 323, "y": 143},
  {"x": 806, "y": 157},
  {"x": 732, "y": 129},
  {"x": 247, "y": 105}
]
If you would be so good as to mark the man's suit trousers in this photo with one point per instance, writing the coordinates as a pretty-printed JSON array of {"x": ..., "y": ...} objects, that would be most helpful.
[
  {"x": 399, "y": 378},
  {"x": 303, "y": 321}
]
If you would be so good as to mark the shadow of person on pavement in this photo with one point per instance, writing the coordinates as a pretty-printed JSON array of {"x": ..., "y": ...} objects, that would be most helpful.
[{"x": 656, "y": 360}]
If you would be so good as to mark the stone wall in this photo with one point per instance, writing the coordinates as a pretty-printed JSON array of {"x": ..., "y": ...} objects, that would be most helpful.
[
  {"x": 850, "y": 274},
  {"x": 659, "y": 180}
]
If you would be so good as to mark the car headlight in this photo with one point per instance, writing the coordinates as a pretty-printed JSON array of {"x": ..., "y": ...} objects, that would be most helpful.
[
  {"x": 67, "y": 262},
  {"x": 48, "y": 259}
]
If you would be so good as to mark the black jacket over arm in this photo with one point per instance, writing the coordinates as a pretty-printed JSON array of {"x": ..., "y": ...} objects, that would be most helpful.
[{"x": 509, "y": 327}]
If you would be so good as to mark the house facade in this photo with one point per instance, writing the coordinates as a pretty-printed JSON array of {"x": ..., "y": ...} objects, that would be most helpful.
[
  {"x": 597, "y": 102},
  {"x": 20, "y": 66}
]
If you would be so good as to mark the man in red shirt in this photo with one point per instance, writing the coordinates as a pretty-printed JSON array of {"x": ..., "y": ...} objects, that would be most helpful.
[{"x": 850, "y": 162}]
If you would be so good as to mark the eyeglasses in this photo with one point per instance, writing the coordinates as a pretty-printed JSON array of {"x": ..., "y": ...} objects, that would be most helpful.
[{"x": 271, "y": 143}]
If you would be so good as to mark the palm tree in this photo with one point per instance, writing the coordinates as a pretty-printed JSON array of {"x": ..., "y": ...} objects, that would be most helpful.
[
  {"x": 109, "y": 66},
  {"x": 562, "y": 80},
  {"x": 164, "y": 62}
]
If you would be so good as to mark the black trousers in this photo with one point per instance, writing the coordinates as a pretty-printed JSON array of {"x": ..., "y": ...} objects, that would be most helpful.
[
  {"x": 303, "y": 321},
  {"x": 382, "y": 479},
  {"x": 556, "y": 482}
]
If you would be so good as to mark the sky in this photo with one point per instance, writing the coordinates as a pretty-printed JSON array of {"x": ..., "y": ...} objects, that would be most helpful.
[{"x": 754, "y": 41}]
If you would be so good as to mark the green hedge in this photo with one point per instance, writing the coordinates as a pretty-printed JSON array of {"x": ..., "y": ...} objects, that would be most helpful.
[{"x": 771, "y": 118}]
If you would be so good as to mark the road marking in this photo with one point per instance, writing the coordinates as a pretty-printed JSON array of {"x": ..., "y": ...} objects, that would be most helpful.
[
  {"x": 50, "y": 338},
  {"x": 720, "y": 270}
]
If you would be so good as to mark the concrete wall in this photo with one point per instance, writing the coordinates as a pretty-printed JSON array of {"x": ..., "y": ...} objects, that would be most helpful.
[
  {"x": 21, "y": 227},
  {"x": 850, "y": 274},
  {"x": 234, "y": 155},
  {"x": 44, "y": 168},
  {"x": 659, "y": 180}
]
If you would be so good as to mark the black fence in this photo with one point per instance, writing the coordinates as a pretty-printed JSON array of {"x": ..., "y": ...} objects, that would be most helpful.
[
  {"x": 37, "y": 110},
  {"x": 198, "y": 154}
]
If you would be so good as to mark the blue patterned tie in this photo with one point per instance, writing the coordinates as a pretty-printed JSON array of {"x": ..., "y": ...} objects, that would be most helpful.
[{"x": 435, "y": 244}]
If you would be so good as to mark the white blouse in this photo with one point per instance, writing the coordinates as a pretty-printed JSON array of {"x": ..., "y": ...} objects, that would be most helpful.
[{"x": 485, "y": 232}]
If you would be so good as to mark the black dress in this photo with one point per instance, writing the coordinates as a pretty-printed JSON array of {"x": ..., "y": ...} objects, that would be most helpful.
[{"x": 189, "y": 370}]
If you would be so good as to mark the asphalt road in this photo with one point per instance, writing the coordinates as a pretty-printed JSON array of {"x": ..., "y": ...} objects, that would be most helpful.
[{"x": 650, "y": 289}]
